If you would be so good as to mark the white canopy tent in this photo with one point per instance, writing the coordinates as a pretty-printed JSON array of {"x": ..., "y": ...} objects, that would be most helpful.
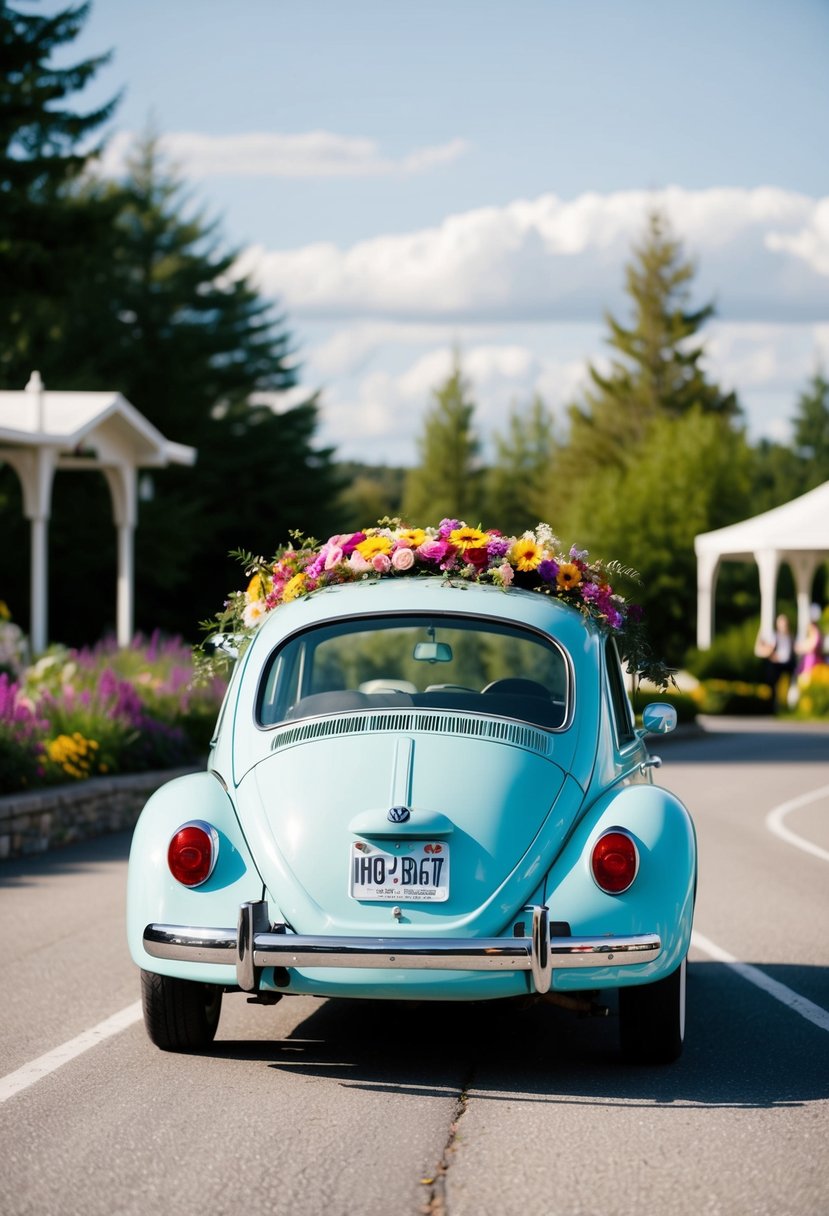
[
  {"x": 42, "y": 432},
  {"x": 796, "y": 533}
]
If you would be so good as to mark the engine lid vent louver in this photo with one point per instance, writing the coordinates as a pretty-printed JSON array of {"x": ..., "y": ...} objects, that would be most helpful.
[{"x": 433, "y": 721}]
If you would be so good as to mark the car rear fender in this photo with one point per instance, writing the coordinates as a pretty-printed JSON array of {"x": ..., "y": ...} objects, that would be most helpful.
[
  {"x": 661, "y": 897},
  {"x": 153, "y": 895}
]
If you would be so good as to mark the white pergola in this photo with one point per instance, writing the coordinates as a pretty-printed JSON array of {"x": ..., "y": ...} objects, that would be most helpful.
[
  {"x": 42, "y": 432},
  {"x": 796, "y": 533}
]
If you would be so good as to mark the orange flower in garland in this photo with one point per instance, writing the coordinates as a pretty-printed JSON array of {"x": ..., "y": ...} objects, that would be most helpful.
[{"x": 569, "y": 576}]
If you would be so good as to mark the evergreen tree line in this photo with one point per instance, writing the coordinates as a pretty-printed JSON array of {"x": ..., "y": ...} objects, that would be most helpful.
[
  {"x": 653, "y": 454},
  {"x": 127, "y": 285}
]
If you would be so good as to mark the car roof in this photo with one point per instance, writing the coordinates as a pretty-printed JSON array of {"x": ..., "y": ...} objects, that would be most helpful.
[{"x": 575, "y": 631}]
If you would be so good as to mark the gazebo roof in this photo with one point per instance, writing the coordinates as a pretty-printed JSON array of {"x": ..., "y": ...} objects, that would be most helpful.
[
  {"x": 799, "y": 526},
  {"x": 42, "y": 432},
  {"x": 35, "y": 417}
]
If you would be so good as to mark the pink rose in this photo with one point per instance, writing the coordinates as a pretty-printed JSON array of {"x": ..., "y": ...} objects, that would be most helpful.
[
  {"x": 402, "y": 559},
  {"x": 433, "y": 550},
  {"x": 381, "y": 563},
  {"x": 505, "y": 572},
  {"x": 358, "y": 563}
]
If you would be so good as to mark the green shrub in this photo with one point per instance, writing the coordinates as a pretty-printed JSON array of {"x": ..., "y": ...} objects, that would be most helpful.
[
  {"x": 733, "y": 697},
  {"x": 683, "y": 702},
  {"x": 731, "y": 656}
]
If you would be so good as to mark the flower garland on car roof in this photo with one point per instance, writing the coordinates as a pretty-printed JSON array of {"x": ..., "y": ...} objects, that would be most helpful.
[{"x": 457, "y": 552}]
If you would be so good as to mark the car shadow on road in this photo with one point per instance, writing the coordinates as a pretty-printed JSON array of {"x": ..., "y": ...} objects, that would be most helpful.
[
  {"x": 743, "y": 1049},
  {"x": 78, "y": 858},
  {"x": 748, "y": 741}
]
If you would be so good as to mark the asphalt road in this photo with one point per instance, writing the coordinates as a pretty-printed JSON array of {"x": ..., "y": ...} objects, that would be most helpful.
[{"x": 321, "y": 1107}]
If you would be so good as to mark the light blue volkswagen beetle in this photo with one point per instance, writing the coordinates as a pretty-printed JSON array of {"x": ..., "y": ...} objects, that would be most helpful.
[{"x": 420, "y": 789}]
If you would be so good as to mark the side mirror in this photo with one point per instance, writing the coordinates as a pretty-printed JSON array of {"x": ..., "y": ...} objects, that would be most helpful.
[
  {"x": 432, "y": 652},
  {"x": 226, "y": 643},
  {"x": 658, "y": 718}
]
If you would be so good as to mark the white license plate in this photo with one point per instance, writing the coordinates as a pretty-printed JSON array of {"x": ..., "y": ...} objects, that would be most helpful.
[{"x": 416, "y": 871}]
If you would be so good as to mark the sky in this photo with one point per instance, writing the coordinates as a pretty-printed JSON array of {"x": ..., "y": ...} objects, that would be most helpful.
[{"x": 409, "y": 180}]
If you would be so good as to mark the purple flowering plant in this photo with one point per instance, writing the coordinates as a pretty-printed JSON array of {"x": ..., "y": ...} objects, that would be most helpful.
[{"x": 104, "y": 709}]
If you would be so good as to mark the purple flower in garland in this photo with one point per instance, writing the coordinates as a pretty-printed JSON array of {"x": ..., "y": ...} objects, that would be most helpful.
[
  {"x": 547, "y": 570},
  {"x": 497, "y": 547},
  {"x": 590, "y": 592},
  {"x": 447, "y": 526}
]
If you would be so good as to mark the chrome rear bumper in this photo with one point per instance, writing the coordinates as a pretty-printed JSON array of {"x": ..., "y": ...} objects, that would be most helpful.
[{"x": 255, "y": 943}]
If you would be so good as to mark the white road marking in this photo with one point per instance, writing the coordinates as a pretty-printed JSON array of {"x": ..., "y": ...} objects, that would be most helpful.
[
  {"x": 43, "y": 1065},
  {"x": 787, "y": 996},
  {"x": 774, "y": 822}
]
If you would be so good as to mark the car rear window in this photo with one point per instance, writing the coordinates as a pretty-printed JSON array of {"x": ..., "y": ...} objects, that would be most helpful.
[{"x": 442, "y": 662}]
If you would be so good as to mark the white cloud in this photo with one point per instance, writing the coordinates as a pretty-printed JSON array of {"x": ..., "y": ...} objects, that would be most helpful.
[
  {"x": 373, "y": 407},
  {"x": 811, "y": 242},
  {"x": 309, "y": 154},
  {"x": 761, "y": 253}
]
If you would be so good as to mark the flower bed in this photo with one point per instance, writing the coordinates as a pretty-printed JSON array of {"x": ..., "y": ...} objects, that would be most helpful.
[{"x": 98, "y": 712}]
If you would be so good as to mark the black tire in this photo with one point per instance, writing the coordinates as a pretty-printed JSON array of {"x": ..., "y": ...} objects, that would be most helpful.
[
  {"x": 180, "y": 1015},
  {"x": 652, "y": 1019}
]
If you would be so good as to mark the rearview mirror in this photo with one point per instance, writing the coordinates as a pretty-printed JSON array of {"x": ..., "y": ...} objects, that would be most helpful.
[
  {"x": 432, "y": 652},
  {"x": 659, "y": 718}
]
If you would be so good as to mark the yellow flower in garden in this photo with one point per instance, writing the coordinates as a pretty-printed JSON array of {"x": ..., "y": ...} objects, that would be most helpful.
[
  {"x": 258, "y": 588},
  {"x": 411, "y": 537},
  {"x": 293, "y": 588},
  {"x": 72, "y": 754},
  {"x": 526, "y": 554},
  {"x": 568, "y": 576},
  {"x": 373, "y": 545}
]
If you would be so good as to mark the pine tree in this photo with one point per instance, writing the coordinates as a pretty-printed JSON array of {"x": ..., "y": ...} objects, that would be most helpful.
[
  {"x": 446, "y": 484},
  {"x": 168, "y": 322},
  {"x": 46, "y": 231},
  {"x": 811, "y": 429},
  {"x": 655, "y": 370}
]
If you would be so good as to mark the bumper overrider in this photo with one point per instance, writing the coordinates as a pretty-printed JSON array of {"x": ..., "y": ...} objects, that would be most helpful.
[{"x": 256, "y": 943}]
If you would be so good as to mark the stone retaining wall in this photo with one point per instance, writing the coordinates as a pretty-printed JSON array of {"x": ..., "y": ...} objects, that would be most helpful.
[{"x": 62, "y": 814}]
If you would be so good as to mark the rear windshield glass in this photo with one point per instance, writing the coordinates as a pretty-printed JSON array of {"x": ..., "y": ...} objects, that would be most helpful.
[{"x": 434, "y": 662}]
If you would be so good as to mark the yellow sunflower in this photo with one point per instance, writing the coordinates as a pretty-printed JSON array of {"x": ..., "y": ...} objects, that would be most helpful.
[
  {"x": 568, "y": 577},
  {"x": 373, "y": 545},
  {"x": 526, "y": 554},
  {"x": 258, "y": 588},
  {"x": 411, "y": 538},
  {"x": 294, "y": 587},
  {"x": 468, "y": 538}
]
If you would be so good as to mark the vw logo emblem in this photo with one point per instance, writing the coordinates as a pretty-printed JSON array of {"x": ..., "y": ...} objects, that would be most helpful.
[{"x": 399, "y": 814}]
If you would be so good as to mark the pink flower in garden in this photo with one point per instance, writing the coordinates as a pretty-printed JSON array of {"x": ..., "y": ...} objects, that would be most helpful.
[{"x": 402, "y": 559}]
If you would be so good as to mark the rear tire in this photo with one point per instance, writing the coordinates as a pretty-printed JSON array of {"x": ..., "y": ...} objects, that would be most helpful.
[
  {"x": 652, "y": 1019},
  {"x": 180, "y": 1015}
]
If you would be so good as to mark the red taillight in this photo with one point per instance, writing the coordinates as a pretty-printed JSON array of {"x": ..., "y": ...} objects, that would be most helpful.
[
  {"x": 192, "y": 853},
  {"x": 614, "y": 862}
]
